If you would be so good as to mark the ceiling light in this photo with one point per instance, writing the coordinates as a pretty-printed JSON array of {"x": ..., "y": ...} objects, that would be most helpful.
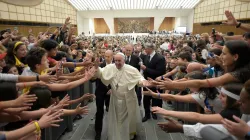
[{"x": 82, "y": 5}]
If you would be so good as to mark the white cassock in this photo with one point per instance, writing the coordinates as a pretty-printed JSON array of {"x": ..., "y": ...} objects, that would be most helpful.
[{"x": 124, "y": 113}]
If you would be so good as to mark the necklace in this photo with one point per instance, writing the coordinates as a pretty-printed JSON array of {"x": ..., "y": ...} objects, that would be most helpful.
[{"x": 117, "y": 86}]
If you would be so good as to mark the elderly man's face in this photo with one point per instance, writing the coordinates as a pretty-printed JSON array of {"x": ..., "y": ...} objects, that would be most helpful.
[
  {"x": 129, "y": 50},
  {"x": 148, "y": 51},
  {"x": 119, "y": 61}
]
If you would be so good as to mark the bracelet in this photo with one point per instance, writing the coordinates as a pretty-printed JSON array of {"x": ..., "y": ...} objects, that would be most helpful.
[
  {"x": 38, "y": 129},
  {"x": 159, "y": 95},
  {"x": 209, "y": 84},
  {"x": 74, "y": 64}
]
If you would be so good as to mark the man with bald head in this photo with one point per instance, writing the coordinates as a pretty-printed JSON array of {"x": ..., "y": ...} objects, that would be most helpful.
[
  {"x": 131, "y": 59},
  {"x": 134, "y": 61},
  {"x": 101, "y": 95},
  {"x": 124, "y": 113}
]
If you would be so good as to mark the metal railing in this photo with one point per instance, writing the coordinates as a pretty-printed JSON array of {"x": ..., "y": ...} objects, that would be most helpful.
[{"x": 67, "y": 123}]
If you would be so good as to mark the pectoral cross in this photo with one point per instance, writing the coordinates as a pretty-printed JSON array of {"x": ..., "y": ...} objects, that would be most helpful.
[{"x": 117, "y": 86}]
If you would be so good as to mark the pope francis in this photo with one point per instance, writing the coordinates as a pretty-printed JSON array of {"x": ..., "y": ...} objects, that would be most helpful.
[{"x": 124, "y": 113}]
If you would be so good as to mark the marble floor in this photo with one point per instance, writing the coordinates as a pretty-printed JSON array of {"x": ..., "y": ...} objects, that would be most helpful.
[{"x": 84, "y": 129}]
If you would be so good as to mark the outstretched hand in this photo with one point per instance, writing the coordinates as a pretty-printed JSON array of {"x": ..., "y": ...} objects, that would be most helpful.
[
  {"x": 88, "y": 96},
  {"x": 238, "y": 128},
  {"x": 150, "y": 92},
  {"x": 65, "y": 101},
  {"x": 25, "y": 100},
  {"x": 163, "y": 84},
  {"x": 90, "y": 73},
  {"x": 82, "y": 110},
  {"x": 158, "y": 110},
  {"x": 230, "y": 19},
  {"x": 48, "y": 78},
  {"x": 50, "y": 119},
  {"x": 171, "y": 126},
  {"x": 97, "y": 63}
]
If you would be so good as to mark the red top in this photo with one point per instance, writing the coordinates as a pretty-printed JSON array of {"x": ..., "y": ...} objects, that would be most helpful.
[{"x": 52, "y": 62}]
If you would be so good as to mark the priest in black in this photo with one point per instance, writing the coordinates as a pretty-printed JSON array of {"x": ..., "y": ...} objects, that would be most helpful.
[{"x": 102, "y": 97}]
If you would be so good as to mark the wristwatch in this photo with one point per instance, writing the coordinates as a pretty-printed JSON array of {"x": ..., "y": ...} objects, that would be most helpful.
[
  {"x": 247, "y": 137},
  {"x": 37, "y": 78},
  {"x": 238, "y": 25}
]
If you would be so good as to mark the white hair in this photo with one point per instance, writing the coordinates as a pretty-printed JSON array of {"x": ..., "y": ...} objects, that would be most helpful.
[{"x": 121, "y": 54}]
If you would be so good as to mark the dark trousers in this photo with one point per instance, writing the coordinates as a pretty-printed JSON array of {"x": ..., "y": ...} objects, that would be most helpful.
[
  {"x": 139, "y": 95},
  {"x": 146, "y": 103},
  {"x": 101, "y": 99}
]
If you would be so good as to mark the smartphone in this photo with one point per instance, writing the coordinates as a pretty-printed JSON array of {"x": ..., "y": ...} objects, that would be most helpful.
[
  {"x": 206, "y": 69},
  {"x": 211, "y": 55},
  {"x": 207, "y": 105},
  {"x": 213, "y": 31}
]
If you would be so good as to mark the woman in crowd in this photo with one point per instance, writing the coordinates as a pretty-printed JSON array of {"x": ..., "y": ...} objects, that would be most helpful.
[
  {"x": 16, "y": 54},
  {"x": 235, "y": 63},
  {"x": 198, "y": 95},
  {"x": 229, "y": 95}
]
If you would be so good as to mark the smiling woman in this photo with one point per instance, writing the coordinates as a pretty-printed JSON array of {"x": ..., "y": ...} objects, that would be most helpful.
[
  {"x": 16, "y": 54},
  {"x": 236, "y": 62}
]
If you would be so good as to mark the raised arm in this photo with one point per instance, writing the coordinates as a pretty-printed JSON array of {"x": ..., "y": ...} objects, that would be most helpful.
[
  {"x": 76, "y": 64},
  {"x": 169, "y": 97},
  {"x": 47, "y": 120},
  {"x": 233, "y": 22},
  {"x": 20, "y": 78},
  {"x": 64, "y": 87},
  {"x": 211, "y": 82}
]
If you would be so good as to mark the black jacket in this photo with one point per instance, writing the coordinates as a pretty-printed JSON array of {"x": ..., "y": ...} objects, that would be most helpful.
[
  {"x": 134, "y": 61},
  {"x": 100, "y": 87},
  {"x": 156, "y": 67}
]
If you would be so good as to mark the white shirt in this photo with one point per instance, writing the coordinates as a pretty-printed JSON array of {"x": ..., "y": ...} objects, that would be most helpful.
[
  {"x": 8, "y": 77},
  {"x": 204, "y": 54},
  {"x": 127, "y": 58},
  {"x": 28, "y": 72},
  {"x": 194, "y": 130},
  {"x": 216, "y": 103},
  {"x": 152, "y": 55}
]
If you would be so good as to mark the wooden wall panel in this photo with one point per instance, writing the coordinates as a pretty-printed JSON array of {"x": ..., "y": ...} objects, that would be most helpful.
[
  {"x": 101, "y": 26},
  {"x": 23, "y": 30},
  {"x": 198, "y": 29},
  {"x": 151, "y": 27},
  {"x": 116, "y": 25},
  {"x": 167, "y": 24}
]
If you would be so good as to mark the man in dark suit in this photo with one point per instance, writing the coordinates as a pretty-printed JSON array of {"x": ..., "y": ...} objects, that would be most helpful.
[
  {"x": 131, "y": 59},
  {"x": 102, "y": 51},
  {"x": 154, "y": 66},
  {"x": 138, "y": 52},
  {"x": 102, "y": 96},
  {"x": 134, "y": 61}
]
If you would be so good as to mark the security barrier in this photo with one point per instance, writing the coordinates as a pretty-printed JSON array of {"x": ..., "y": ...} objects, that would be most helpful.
[{"x": 54, "y": 133}]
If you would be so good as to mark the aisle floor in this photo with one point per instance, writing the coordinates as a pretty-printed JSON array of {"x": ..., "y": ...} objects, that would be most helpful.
[{"x": 84, "y": 129}]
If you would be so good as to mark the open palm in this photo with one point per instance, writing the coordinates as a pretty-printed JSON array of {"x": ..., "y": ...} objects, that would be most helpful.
[{"x": 230, "y": 18}]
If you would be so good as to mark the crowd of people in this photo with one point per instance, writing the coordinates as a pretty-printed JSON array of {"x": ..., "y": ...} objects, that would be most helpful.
[{"x": 211, "y": 70}]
